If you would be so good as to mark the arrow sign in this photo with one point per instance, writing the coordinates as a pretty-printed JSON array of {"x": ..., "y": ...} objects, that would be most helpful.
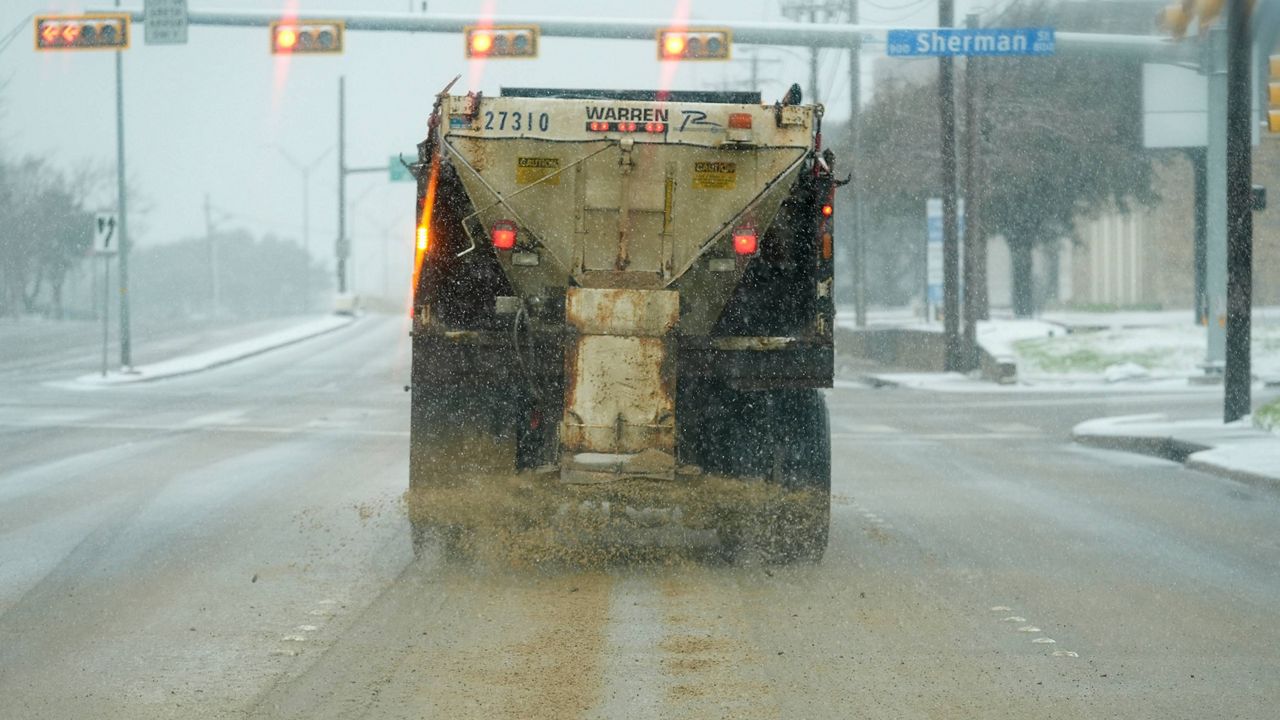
[{"x": 104, "y": 233}]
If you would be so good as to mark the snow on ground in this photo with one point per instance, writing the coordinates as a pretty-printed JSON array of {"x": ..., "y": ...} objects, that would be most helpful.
[
  {"x": 187, "y": 364},
  {"x": 1237, "y": 450},
  {"x": 1133, "y": 353},
  {"x": 1254, "y": 460},
  {"x": 1097, "y": 348}
]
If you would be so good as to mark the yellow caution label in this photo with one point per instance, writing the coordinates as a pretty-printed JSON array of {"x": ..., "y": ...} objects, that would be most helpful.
[
  {"x": 714, "y": 175},
  {"x": 533, "y": 169}
]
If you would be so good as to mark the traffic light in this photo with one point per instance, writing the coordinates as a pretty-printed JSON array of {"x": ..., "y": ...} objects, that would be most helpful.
[
  {"x": 296, "y": 37},
  {"x": 1273, "y": 94},
  {"x": 501, "y": 41},
  {"x": 694, "y": 44},
  {"x": 1175, "y": 19},
  {"x": 98, "y": 31}
]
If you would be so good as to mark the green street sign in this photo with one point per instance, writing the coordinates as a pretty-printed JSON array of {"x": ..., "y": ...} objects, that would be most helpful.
[{"x": 397, "y": 170}]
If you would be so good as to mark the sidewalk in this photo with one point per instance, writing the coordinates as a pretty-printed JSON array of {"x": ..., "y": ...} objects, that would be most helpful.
[
  {"x": 1238, "y": 450},
  {"x": 216, "y": 357}
]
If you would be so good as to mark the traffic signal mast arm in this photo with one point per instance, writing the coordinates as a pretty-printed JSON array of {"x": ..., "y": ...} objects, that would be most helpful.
[{"x": 838, "y": 35}]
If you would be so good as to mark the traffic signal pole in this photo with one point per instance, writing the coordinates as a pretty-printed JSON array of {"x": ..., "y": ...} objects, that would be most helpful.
[
  {"x": 1239, "y": 260},
  {"x": 126, "y": 344}
]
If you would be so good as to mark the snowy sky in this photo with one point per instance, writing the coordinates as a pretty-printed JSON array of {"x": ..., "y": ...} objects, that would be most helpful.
[{"x": 205, "y": 117}]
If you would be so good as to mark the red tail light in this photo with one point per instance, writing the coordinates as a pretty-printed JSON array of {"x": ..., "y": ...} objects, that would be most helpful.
[
  {"x": 740, "y": 121},
  {"x": 655, "y": 127},
  {"x": 745, "y": 241},
  {"x": 504, "y": 234}
]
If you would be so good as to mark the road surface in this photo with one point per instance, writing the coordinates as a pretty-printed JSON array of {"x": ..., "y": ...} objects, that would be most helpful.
[{"x": 234, "y": 545}]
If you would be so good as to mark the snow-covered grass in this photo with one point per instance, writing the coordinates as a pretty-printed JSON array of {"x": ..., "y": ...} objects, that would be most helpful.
[
  {"x": 1137, "y": 352},
  {"x": 1267, "y": 417}
]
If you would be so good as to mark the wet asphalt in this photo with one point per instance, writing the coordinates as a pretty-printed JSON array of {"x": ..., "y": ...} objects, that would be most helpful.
[{"x": 234, "y": 544}]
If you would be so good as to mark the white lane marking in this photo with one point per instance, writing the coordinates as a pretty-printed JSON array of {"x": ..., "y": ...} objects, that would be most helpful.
[
  {"x": 39, "y": 417},
  {"x": 327, "y": 601},
  {"x": 234, "y": 416},
  {"x": 917, "y": 438},
  {"x": 321, "y": 613},
  {"x": 1044, "y": 640},
  {"x": 851, "y": 428},
  {"x": 306, "y": 628},
  {"x": 1014, "y": 618},
  {"x": 1065, "y": 653},
  {"x": 294, "y": 638},
  {"x": 1029, "y": 629},
  {"x": 1010, "y": 427},
  {"x": 287, "y": 652},
  {"x": 1001, "y": 608}
]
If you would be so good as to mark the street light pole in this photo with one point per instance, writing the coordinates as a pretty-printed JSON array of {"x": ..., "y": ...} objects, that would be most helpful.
[
  {"x": 859, "y": 244},
  {"x": 305, "y": 171},
  {"x": 342, "y": 248}
]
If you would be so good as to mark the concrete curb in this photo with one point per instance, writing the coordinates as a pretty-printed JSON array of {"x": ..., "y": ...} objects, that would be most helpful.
[
  {"x": 1195, "y": 454},
  {"x": 1239, "y": 475},
  {"x": 218, "y": 357},
  {"x": 875, "y": 381}
]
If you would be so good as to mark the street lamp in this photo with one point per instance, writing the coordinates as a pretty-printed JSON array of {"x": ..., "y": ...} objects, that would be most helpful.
[{"x": 305, "y": 171}]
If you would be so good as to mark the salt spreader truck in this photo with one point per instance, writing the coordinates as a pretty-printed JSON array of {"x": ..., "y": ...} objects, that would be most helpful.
[{"x": 617, "y": 287}]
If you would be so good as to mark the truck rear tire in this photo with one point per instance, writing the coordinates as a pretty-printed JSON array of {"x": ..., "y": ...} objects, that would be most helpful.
[
  {"x": 457, "y": 434},
  {"x": 781, "y": 436},
  {"x": 798, "y": 532}
]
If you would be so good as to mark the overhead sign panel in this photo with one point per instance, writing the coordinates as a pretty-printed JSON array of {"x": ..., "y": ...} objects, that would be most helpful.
[
  {"x": 165, "y": 22},
  {"x": 983, "y": 42},
  {"x": 1175, "y": 107}
]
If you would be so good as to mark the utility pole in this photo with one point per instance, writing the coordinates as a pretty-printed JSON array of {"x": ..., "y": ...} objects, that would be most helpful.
[
  {"x": 343, "y": 248},
  {"x": 211, "y": 253},
  {"x": 126, "y": 344},
  {"x": 813, "y": 59},
  {"x": 975, "y": 246},
  {"x": 1199, "y": 172},
  {"x": 950, "y": 244},
  {"x": 859, "y": 244},
  {"x": 1238, "y": 377},
  {"x": 794, "y": 10}
]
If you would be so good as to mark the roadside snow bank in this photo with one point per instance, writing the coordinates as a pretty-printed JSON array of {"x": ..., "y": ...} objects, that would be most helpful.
[{"x": 199, "y": 362}]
